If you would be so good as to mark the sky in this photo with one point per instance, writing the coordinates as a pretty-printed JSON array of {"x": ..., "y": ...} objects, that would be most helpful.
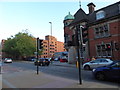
[{"x": 35, "y": 15}]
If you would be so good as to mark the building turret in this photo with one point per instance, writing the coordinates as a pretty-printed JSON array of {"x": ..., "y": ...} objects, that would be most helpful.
[{"x": 68, "y": 19}]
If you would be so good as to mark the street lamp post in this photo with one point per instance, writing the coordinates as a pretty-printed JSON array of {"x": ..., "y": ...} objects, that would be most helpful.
[
  {"x": 51, "y": 27},
  {"x": 51, "y": 37}
]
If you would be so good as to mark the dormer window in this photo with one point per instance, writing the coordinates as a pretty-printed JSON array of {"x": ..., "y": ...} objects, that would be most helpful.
[{"x": 100, "y": 15}]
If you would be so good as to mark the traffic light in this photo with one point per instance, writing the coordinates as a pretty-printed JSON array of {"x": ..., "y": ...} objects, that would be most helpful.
[
  {"x": 117, "y": 46},
  {"x": 84, "y": 34},
  {"x": 40, "y": 44},
  {"x": 108, "y": 47},
  {"x": 77, "y": 33}
]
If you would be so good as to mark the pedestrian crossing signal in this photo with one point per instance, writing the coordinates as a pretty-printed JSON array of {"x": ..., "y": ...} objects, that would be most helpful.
[{"x": 117, "y": 46}]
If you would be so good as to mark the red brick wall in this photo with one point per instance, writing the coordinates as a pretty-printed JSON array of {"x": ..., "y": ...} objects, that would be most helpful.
[
  {"x": 114, "y": 27},
  {"x": 115, "y": 31},
  {"x": 68, "y": 31}
]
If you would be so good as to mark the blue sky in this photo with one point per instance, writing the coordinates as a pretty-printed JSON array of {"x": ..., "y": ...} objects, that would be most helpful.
[{"x": 35, "y": 16}]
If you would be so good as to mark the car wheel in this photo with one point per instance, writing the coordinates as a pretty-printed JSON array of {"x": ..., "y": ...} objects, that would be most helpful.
[
  {"x": 41, "y": 64},
  {"x": 100, "y": 76},
  {"x": 87, "y": 67}
]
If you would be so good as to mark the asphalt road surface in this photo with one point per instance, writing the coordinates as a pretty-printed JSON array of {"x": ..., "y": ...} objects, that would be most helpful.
[{"x": 52, "y": 69}]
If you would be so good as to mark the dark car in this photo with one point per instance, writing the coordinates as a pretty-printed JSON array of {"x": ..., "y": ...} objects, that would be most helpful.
[
  {"x": 30, "y": 59},
  {"x": 109, "y": 72},
  {"x": 42, "y": 62}
]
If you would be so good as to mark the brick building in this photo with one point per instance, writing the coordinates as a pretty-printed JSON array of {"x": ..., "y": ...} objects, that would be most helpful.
[
  {"x": 103, "y": 28},
  {"x": 50, "y": 46}
]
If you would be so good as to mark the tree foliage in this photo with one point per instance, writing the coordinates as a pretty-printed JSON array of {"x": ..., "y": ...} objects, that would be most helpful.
[{"x": 22, "y": 44}]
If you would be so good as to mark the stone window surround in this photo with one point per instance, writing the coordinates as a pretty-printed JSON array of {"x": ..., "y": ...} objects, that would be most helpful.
[
  {"x": 103, "y": 50},
  {"x": 103, "y": 30}
]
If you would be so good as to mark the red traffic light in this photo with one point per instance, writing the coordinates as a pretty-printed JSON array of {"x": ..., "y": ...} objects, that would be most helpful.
[{"x": 109, "y": 46}]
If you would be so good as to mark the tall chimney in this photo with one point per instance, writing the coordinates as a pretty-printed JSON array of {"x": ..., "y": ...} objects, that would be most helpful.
[{"x": 91, "y": 7}]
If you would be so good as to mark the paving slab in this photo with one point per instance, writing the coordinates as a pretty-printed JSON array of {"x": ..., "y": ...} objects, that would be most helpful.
[{"x": 29, "y": 79}]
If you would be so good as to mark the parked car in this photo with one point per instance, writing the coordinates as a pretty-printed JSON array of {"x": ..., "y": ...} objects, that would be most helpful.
[
  {"x": 111, "y": 71},
  {"x": 7, "y": 60},
  {"x": 30, "y": 59},
  {"x": 42, "y": 62},
  {"x": 96, "y": 63},
  {"x": 63, "y": 60},
  {"x": 56, "y": 59}
]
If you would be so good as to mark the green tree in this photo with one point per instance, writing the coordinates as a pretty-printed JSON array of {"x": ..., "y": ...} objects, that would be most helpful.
[{"x": 22, "y": 44}]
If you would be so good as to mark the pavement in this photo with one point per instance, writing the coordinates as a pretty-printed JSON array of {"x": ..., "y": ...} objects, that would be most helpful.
[{"x": 30, "y": 79}]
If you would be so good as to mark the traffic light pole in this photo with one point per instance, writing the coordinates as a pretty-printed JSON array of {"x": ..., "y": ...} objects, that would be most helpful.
[
  {"x": 81, "y": 37},
  {"x": 78, "y": 52},
  {"x": 79, "y": 66},
  {"x": 81, "y": 44},
  {"x": 37, "y": 55}
]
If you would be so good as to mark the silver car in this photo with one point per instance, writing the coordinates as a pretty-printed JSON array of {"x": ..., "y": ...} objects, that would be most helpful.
[{"x": 97, "y": 63}]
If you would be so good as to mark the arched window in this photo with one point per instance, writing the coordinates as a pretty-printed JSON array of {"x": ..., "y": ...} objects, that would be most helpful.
[{"x": 100, "y": 15}]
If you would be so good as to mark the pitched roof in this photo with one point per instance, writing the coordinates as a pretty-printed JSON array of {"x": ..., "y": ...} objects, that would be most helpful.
[
  {"x": 110, "y": 11},
  {"x": 80, "y": 15}
]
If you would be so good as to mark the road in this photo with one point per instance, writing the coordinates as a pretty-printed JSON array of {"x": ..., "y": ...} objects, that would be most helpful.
[{"x": 53, "y": 70}]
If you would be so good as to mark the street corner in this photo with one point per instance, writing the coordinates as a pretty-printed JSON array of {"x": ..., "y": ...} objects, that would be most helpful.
[
  {"x": 57, "y": 82},
  {"x": 26, "y": 79}
]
